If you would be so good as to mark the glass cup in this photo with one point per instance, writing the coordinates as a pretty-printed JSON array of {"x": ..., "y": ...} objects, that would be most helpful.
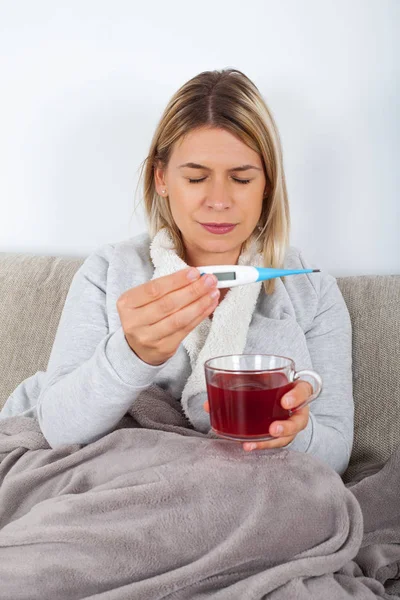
[{"x": 245, "y": 390}]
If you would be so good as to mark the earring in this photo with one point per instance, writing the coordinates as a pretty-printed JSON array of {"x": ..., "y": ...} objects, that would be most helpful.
[{"x": 163, "y": 191}]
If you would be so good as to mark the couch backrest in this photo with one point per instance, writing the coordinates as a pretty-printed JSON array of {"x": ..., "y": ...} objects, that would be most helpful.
[
  {"x": 374, "y": 307},
  {"x": 32, "y": 295}
]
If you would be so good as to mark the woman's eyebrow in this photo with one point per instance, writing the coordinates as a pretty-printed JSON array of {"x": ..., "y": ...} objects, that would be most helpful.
[{"x": 193, "y": 165}]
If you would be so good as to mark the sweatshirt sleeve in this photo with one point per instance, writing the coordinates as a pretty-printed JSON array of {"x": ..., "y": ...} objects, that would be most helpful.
[
  {"x": 93, "y": 376},
  {"x": 330, "y": 429}
]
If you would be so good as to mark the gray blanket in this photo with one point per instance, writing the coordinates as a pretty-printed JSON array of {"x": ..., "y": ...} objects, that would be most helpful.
[{"x": 155, "y": 510}]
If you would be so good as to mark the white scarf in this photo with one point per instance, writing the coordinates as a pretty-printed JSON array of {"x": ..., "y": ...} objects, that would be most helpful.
[{"x": 226, "y": 332}]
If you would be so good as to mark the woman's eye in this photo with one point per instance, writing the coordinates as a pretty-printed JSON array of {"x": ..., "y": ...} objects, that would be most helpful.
[{"x": 243, "y": 181}]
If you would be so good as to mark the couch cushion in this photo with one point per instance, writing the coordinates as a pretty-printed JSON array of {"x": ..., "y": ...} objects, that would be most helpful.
[
  {"x": 374, "y": 307},
  {"x": 32, "y": 295}
]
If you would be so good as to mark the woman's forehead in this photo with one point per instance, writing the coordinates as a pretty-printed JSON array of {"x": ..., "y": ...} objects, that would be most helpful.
[{"x": 213, "y": 148}]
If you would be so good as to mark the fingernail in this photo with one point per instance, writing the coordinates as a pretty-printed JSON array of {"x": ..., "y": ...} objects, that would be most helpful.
[
  {"x": 210, "y": 280},
  {"x": 193, "y": 274},
  {"x": 279, "y": 429},
  {"x": 289, "y": 401},
  {"x": 250, "y": 446}
]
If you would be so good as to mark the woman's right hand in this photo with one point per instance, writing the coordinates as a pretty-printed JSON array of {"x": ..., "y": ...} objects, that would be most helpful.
[{"x": 157, "y": 315}]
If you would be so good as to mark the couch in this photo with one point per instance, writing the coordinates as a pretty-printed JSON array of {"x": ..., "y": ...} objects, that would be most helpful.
[{"x": 32, "y": 295}]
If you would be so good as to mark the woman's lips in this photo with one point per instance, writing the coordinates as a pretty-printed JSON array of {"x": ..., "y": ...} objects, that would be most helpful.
[{"x": 217, "y": 228}]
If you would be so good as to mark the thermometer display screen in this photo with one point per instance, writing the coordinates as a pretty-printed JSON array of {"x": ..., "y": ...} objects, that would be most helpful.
[{"x": 225, "y": 276}]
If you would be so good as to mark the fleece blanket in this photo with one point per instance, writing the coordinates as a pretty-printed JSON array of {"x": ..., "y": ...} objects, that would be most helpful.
[{"x": 156, "y": 510}]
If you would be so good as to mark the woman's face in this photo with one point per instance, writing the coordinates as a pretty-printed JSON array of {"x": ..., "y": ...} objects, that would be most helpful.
[{"x": 224, "y": 182}]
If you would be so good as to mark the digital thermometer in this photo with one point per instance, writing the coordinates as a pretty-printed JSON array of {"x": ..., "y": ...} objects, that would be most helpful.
[{"x": 231, "y": 275}]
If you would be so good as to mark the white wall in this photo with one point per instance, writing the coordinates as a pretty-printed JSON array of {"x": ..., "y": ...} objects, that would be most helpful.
[{"x": 83, "y": 84}]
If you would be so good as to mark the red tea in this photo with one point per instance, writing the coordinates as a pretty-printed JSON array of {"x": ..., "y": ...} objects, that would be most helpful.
[{"x": 245, "y": 404}]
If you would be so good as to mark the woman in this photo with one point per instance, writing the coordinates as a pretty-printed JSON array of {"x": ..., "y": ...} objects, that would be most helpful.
[{"x": 136, "y": 313}]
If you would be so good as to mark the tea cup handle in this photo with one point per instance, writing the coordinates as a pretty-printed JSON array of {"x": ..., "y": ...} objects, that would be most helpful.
[{"x": 318, "y": 387}]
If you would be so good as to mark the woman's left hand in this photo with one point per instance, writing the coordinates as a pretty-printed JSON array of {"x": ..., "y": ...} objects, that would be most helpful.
[{"x": 285, "y": 431}]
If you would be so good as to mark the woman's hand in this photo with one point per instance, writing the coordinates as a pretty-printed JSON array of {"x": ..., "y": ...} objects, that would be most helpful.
[
  {"x": 285, "y": 431},
  {"x": 157, "y": 315}
]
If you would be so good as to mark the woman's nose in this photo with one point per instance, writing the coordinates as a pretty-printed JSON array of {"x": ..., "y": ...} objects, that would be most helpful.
[{"x": 219, "y": 198}]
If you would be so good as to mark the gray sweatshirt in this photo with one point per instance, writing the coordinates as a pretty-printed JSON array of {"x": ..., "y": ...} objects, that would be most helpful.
[{"x": 93, "y": 376}]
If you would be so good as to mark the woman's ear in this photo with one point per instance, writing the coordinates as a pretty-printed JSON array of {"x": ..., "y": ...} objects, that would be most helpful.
[{"x": 159, "y": 178}]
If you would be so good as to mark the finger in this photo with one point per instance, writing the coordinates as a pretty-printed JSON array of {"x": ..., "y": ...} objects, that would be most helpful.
[
  {"x": 180, "y": 323},
  {"x": 206, "y": 406},
  {"x": 200, "y": 290},
  {"x": 159, "y": 287},
  {"x": 167, "y": 335},
  {"x": 278, "y": 443},
  {"x": 292, "y": 426},
  {"x": 300, "y": 393}
]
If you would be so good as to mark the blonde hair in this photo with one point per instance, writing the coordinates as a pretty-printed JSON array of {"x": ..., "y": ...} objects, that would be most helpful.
[{"x": 229, "y": 100}]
